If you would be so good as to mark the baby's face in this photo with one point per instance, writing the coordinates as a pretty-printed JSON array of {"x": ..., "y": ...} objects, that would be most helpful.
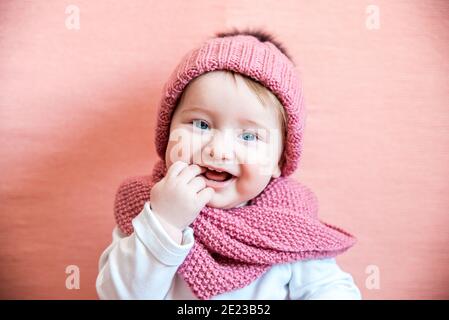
[{"x": 220, "y": 123}]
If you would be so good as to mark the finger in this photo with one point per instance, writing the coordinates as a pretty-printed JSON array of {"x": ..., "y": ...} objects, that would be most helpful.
[
  {"x": 197, "y": 184},
  {"x": 205, "y": 195},
  {"x": 176, "y": 168},
  {"x": 189, "y": 173}
]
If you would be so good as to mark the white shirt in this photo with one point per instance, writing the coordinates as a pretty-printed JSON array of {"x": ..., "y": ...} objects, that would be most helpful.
[{"x": 144, "y": 264}]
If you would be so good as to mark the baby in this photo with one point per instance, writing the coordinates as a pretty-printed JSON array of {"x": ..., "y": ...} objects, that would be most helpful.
[{"x": 219, "y": 218}]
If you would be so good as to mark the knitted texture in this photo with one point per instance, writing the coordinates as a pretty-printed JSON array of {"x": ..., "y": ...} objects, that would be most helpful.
[
  {"x": 261, "y": 61},
  {"x": 233, "y": 247}
]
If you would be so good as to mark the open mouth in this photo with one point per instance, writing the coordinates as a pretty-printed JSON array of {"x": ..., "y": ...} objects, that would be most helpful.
[{"x": 216, "y": 178}]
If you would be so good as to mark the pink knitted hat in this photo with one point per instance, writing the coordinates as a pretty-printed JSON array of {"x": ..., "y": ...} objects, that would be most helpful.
[{"x": 244, "y": 54}]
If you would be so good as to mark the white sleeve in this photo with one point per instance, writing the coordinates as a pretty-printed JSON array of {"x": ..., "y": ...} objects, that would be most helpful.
[
  {"x": 144, "y": 264},
  {"x": 321, "y": 279}
]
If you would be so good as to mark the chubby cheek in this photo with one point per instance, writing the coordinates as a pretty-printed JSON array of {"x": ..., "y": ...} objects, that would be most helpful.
[
  {"x": 259, "y": 159},
  {"x": 251, "y": 182},
  {"x": 179, "y": 147}
]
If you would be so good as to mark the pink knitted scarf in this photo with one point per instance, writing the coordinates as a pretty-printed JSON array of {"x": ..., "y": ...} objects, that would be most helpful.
[{"x": 233, "y": 247}]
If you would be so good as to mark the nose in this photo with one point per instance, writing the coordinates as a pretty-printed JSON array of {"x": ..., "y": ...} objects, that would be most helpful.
[{"x": 220, "y": 146}]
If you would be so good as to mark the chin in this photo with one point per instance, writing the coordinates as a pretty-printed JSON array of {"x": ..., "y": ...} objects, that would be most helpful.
[{"x": 218, "y": 202}]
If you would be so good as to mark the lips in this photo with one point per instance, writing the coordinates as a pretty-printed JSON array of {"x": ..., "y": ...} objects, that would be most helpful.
[
  {"x": 217, "y": 178},
  {"x": 215, "y": 169}
]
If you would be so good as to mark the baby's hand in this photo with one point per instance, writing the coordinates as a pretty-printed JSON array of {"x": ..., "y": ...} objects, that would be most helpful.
[{"x": 180, "y": 196}]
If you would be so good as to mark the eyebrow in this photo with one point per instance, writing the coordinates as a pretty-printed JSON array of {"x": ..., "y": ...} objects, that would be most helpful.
[
  {"x": 210, "y": 113},
  {"x": 197, "y": 109}
]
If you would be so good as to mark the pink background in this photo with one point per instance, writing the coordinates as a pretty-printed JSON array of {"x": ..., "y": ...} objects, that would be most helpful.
[{"x": 77, "y": 116}]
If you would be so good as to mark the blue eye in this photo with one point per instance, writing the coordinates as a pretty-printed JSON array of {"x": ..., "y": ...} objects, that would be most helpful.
[
  {"x": 201, "y": 124},
  {"x": 247, "y": 136}
]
